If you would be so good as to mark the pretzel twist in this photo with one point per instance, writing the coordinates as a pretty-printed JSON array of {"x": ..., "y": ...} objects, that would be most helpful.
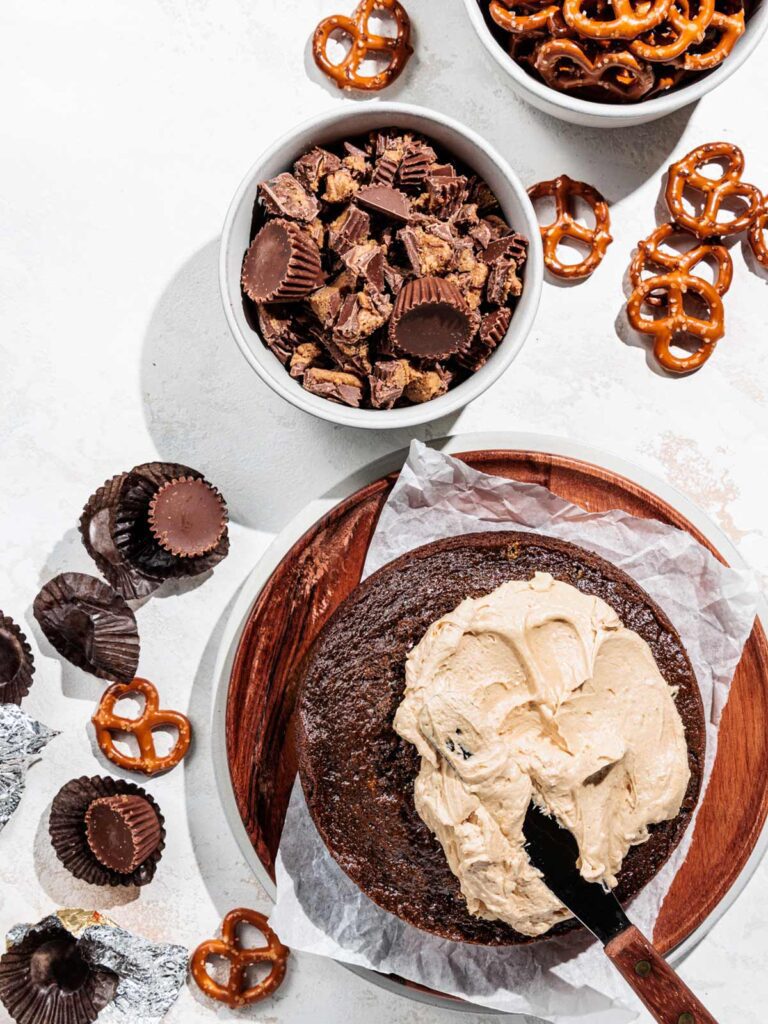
[
  {"x": 235, "y": 993},
  {"x": 107, "y": 723},
  {"x": 597, "y": 239},
  {"x": 650, "y": 255},
  {"x": 679, "y": 29},
  {"x": 677, "y": 321},
  {"x": 545, "y": 17},
  {"x": 757, "y": 239},
  {"x": 364, "y": 44},
  {"x": 729, "y": 28},
  {"x": 687, "y": 173},
  {"x": 629, "y": 21},
  {"x": 563, "y": 64}
]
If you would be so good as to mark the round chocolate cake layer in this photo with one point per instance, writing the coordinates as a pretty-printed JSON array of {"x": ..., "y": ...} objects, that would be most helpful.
[{"x": 358, "y": 774}]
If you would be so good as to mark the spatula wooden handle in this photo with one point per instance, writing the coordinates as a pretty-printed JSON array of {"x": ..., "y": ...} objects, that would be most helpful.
[{"x": 665, "y": 995}]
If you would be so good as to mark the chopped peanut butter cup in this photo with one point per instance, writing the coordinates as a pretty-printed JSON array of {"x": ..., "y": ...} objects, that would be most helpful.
[
  {"x": 430, "y": 320},
  {"x": 16, "y": 662},
  {"x": 385, "y": 200},
  {"x": 107, "y": 831},
  {"x": 188, "y": 517},
  {"x": 282, "y": 264},
  {"x": 90, "y": 625},
  {"x": 122, "y": 831}
]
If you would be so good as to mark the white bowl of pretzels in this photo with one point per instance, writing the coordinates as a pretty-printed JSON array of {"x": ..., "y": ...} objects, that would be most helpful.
[{"x": 616, "y": 63}]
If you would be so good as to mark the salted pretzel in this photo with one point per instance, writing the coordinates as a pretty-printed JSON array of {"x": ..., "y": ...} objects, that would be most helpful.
[
  {"x": 677, "y": 321},
  {"x": 562, "y": 190},
  {"x": 726, "y": 30},
  {"x": 651, "y": 256},
  {"x": 563, "y": 64},
  {"x": 545, "y": 17},
  {"x": 629, "y": 21},
  {"x": 676, "y": 33},
  {"x": 364, "y": 45},
  {"x": 236, "y": 993},
  {"x": 757, "y": 240},
  {"x": 686, "y": 173},
  {"x": 107, "y": 723}
]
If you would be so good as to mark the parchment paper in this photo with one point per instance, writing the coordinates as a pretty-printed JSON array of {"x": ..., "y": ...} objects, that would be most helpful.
[{"x": 320, "y": 910}]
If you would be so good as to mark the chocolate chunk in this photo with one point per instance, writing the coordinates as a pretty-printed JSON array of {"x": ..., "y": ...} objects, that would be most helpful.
[
  {"x": 284, "y": 196},
  {"x": 387, "y": 201},
  {"x": 388, "y": 382},
  {"x": 140, "y": 833},
  {"x": 96, "y": 524},
  {"x": 326, "y": 303},
  {"x": 349, "y": 228},
  {"x": 311, "y": 168},
  {"x": 482, "y": 233},
  {"x": 503, "y": 282},
  {"x": 17, "y": 666},
  {"x": 493, "y": 328},
  {"x": 367, "y": 261},
  {"x": 359, "y": 317},
  {"x": 513, "y": 247},
  {"x": 305, "y": 355},
  {"x": 467, "y": 216},
  {"x": 122, "y": 831},
  {"x": 277, "y": 330},
  {"x": 335, "y": 385},
  {"x": 424, "y": 385},
  {"x": 417, "y": 161},
  {"x": 430, "y": 320},
  {"x": 45, "y": 979},
  {"x": 188, "y": 517},
  {"x": 481, "y": 194},
  {"x": 90, "y": 625},
  {"x": 282, "y": 264},
  {"x": 429, "y": 251},
  {"x": 446, "y": 195}
]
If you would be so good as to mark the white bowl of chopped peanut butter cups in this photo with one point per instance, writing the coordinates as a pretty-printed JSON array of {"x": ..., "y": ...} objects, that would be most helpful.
[
  {"x": 382, "y": 267},
  {"x": 644, "y": 61}
]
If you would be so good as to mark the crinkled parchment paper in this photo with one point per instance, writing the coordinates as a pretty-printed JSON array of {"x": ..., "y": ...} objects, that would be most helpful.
[{"x": 320, "y": 910}]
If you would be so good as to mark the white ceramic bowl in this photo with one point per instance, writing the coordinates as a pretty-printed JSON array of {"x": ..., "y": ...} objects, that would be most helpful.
[
  {"x": 344, "y": 122},
  {"x": 616, "y": 115}
]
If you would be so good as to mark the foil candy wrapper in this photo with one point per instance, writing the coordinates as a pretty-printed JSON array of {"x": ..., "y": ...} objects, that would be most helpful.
[
  {"x": 21, "y": 738},
  {"x": 151, "y": 974}
]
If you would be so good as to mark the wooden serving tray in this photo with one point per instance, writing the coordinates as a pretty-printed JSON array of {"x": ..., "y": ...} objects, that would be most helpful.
[{"x": 326, "y": 563}]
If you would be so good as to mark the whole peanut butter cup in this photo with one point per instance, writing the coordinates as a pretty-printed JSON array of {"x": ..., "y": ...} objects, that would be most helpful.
[
  {"x": 96, "y": 530},
  {"x": 16, "y": 662},
  {"x": 133, "y": 530},
  {"x": 188, "y": 517},
  {"x": 44, "y": 979},
  {"x": 430, "y": 321},
  {"x": 122, "y": 831},
  {"x": 107, "y": 831},
  {"x": 282, "y": 264},
  {"x": 90, "y": 625}
]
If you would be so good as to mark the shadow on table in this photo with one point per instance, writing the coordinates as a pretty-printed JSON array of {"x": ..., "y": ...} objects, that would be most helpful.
[{"x": 206, "y": 407}]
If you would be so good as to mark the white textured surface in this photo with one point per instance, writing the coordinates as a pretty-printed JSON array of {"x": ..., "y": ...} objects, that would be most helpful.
[{"x": 126, "y": 128}]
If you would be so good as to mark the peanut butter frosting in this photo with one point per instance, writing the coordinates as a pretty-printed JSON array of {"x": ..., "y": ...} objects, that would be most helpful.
[{"x": 538, "y": 691}]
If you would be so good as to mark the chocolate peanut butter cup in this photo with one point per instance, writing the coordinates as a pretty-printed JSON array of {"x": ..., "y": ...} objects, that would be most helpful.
[
  {"x": 17, "y": 665},
  {"x": 385, "y": 200},
  {"x": 430, "y": 320},
  {"x": 96, "y": 524},
  {"x": 106, "y": 831},
  {"x": 44, "y": 979},
  {"x": 188, "y": 517},
  {"x": 122, "y": 831},
  {"x": 282, "y": 264},
  {"x": 133, "y": 529},
  {"x": 90, "y": 625}
]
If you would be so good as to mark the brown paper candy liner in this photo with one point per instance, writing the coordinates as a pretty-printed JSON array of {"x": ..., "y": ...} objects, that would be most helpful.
[
  {"x": 282, "y": 264},
  {"x": 90, "y": 625},
  {"x": 45, "y": 980},
  {"x": 187, "y": 517},
  {"x": 430, "y": 320},
  {"x": 17, "y": 665},
  {"x": 132, "y": 529},
  {"x": 68, "y": 831},
  {"x": 96, "y": 530}
]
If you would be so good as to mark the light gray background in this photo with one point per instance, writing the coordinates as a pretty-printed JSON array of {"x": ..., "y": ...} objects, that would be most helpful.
[{"x": 127, "y": 125}]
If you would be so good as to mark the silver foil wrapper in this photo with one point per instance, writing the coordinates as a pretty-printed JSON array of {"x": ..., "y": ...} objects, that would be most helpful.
[
  {"x": 151, "y": 974},
  {"x": 21, "y": 739}
]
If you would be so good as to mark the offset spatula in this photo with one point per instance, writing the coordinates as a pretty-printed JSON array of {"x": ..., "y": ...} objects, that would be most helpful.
[{"x": 554, "y": 851}]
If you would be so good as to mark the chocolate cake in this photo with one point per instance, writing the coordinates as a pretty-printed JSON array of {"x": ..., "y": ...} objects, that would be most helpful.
[{"x": 358, "y": 774}]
